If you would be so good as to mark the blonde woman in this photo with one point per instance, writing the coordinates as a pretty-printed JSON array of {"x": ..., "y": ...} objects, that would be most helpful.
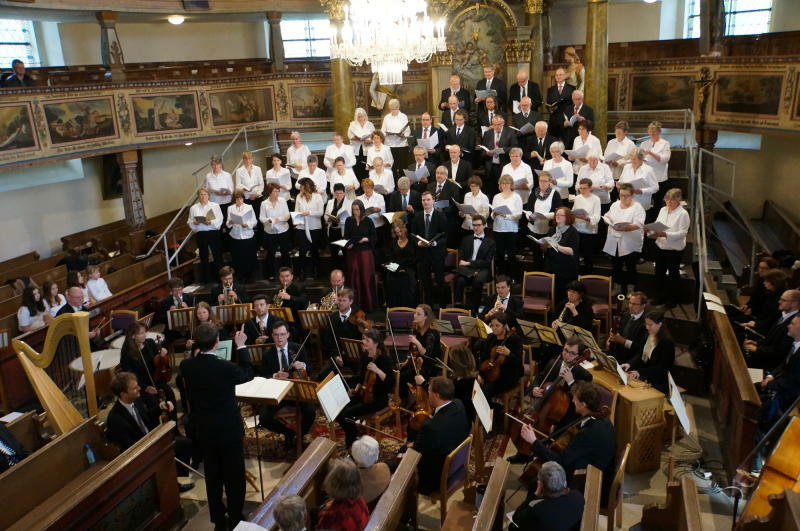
[
  {"x": 506, "y": 225},
  {"x": 360, "y": 134},
  {"x": 205, "y": 220},
  {"x": 297, "y": 154}
]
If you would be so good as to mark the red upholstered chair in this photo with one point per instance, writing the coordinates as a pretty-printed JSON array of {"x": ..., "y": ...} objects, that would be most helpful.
[
  {"x": 399, "y": 319},
  {"x": 537, "y": 293},
  {"x": 598, "y": 289},
  {"x": 451, "y": 315},
  {"x": 122, "y": 319}
]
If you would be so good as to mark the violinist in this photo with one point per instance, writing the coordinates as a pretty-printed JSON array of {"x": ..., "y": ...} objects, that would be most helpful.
[
  {"x": 284, "y": 361},
  {"x": 566, "y": 371},
  {"x": 500, "y": 358},
  {"x": 462, "y": 361},
  {"x": 576, "y": 309},
  {"x": 594, "y": 443},
  {"x": 258, "y": 328},
  {"x": 149, "y": 362},
  {"x": 658, "y": 354},
  {"x": 502, "y": 301},
  {"x": 423, "y": 343},
  {"x": 342, "y": 325},
  {"x": 372, "y": 394}
]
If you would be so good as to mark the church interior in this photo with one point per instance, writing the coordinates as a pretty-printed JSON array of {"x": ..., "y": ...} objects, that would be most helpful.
[{"x": 120, "y": 119}]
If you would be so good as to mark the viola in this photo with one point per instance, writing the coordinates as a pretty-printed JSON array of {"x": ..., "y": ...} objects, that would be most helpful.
[
  {"x": 491, "y": 367},
  {"x": 162, "y": 399},
  {"x": 162, "y": 372},
  {"x": 368, "y": 385},
  {"x": 360, "y": 321}
]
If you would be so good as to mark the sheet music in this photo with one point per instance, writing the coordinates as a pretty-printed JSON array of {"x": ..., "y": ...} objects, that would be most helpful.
[
  {"x": 429, "y": 143},
  {"x": 235, "y": 218},
  {"x": 579, "y": 153},
  {"x": 622, "y": 374},
  {"x": 248, "y": 526},
  {"x": 503, "y": 210},
  {"x": 340, "y": 243},
  {"x": 333, "y": 397},
  {"x": 714, "y": 307},
  {"x": 264, "y": 388},
  {"x": 555, "y": 172},
  {"x": 14, "y": 415},
  {"x": 711, "y": 297},
  {"x": 756, "y": 376},
  {"x": 225, "y": 349},
  {"x": 613, "y": 157},
  {"x": 482, "y": 408},
  {"x": 466, "y": 209},
  {"x": 676, "y": 400}
]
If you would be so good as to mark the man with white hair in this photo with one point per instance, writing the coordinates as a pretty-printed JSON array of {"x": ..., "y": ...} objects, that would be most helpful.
[
  {"x": 573, "y": 114},
  {"x": 558, "y": 100},
  {"x": 458, "y": 169},
  {"x": 455, "y": 90},
  {"x": 524, "y": 88},
  {"x": 375, "y": 476},
  {"x": 490, "y": 82},
  {"x": 553, "y": 505},
  {"x": 449, "y": 112},
  {"x": 538, "y": 149},
  {"x": 525, "y": 118}
]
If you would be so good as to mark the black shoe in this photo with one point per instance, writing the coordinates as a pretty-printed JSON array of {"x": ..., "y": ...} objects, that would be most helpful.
[
  {"x": 519, "y": 458},
  {"x": 185, "y": 487}
]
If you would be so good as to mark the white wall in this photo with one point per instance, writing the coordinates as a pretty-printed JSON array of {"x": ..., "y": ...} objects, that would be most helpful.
[
  {"x": 785, "y": 15},
  {"x": 152, "y": 42},
  {"x": 626, "y": 23}
]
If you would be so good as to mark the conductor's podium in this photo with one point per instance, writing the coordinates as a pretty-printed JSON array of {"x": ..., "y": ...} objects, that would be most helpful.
[{"x": 56, "y": 488}]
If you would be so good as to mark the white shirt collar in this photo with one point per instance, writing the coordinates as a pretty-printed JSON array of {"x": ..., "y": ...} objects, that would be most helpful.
[
  {"x": 637, "y": 316},
  {"x": 785, "y": 315},
  {"x": 435, "y": 411},
  {"x": 346, "y": 314},
  {"x": 427, "y": 213}
]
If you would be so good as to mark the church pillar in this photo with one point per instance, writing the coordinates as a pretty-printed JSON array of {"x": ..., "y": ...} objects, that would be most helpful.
[
  {"x": 132, "y": 198},
  {"x": 596, "y": 79},
  {"x": 110, "y": 46},
  {"x": 343, "y": 105},
  {"x": 534, "y": 17},
  {"x": 712, "y": 27},
  {"x": 275, "y": 41},
  {"x": 441, "y": 70}
]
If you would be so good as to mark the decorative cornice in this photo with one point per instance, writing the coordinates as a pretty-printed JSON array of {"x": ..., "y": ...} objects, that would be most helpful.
[
  {"x": 442, "y": 58},
  {"x": 517, "y": 51},
  {"x": 333, "y": 8},
  {"x": 534, "y": 7}
]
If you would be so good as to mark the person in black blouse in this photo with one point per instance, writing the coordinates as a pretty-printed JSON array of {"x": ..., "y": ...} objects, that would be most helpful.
[
  {"x": 359, "y": 231},
  {"x": 461, "y": 361},
  {"x": 562, "y": 260},
  {"x": 401, "y": 285},
  {"x": 137, "y": 356},
  {"x": 576, "y": 309},
  {"x": 426, "y": 342},
  {"x": 335, "y": 230},
  {"x": 658, "y": 354},
  {"x": 504, "y": 342},
  {"x": 374, "y": 364}
]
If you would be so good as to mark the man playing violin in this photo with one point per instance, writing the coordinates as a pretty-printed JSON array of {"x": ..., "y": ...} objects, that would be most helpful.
[
  {"x": 500, "y": 358},
  {"x": 343, "y": 325},
  {"x": 284, "y": 361},
  {"x": 372, "y": 394},
  {"x": 258, "y": 328},
  {"x": 563, "y": 370}
]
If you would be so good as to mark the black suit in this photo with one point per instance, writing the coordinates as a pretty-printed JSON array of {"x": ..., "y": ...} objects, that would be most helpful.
[
  {"x": 513, "y": 309},
  {"x": 253, "y": 331},
  {"x": 448, "y": 118},
  {"x": 416, "y": 135},
  {"x": 69, "y": 309},
  {"x": 420, "y": 186},
  {"x": 464, "y": 101},
  {"x": 298, "y": 301},
  {"x": 563, "y": 513},
  {"x": 216, "y": 426},
  {"x": 241, "y": 293},
  {"x": 466, "y": 140},
  {"x": 477, "y": 273},
  {"x": 463, "y": 173},
  {"x": 449, "y": 192},
  {"x": 430, "y": 260},
  {"x": 499, "y": 86},
  {"x": 550, "y": 373},
  {"x": 654, "y": 370},
  {"x": 532, "y": 144},
  {"x": 634, "y": 331},
  {"x": 508, "y": 139},
  {"x": 525, "y": 140},
  {"x": 570, "y": 133},
  {"x": 584, "y": 317},
  {"x": 562, "y": 101},
  {"x": 168, "y": 303},
  {"x": 396, "y": 203},
  {"x": 484, "y": 120},
  {"x": 12, "y": 81},
  {"x": 770, "y": 350},
  {"x": 531, "y": 91},
  {"x": 786, "y": 383},
  {"x": 270, "y": 366},
  {"x": 440, "y": 435}
]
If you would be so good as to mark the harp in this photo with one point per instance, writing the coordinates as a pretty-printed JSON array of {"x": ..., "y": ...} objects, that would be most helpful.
[{"x": 49, "y": 373}]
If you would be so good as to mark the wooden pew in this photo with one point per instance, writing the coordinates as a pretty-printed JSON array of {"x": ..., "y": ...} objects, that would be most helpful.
[
  {"x": 735, "y": 398},
  {"x": 19, "y": 261},
  {"x": 304, "y": 478},
  {"x": 590, "y": 481},
  {"x": 681, "y": 512},
  {"x": 34, "y": 268},
  {"x": 397, "y": 506},
  {"x": 491, "y": 513},
  {"x": 29, "y": 431},
  {"x": 784, "y": 516},
  {"x": 56, "y": 488},
  {"x": 81, "y": 238},
  {"x": 11, "y": 305}
]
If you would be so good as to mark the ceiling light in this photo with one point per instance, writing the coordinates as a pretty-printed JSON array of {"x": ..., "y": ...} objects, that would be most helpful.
[
  {"x": 176, "y": 19},
  {"x": 188, "y": 144}
]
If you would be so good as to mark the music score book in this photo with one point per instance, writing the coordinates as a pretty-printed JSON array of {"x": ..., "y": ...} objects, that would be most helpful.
[
  {"x": 332, "y": 396},
  {"x": 482, "y": 408},
  {"x": 261, "y": 388}
]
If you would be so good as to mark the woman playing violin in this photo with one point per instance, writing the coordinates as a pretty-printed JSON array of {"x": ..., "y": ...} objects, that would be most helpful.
[
  {"x": 372, "y": 394},
  {"x": 149, "y": 362},
  {"x": 423, "y": 344},
  {"x": 500, "y": 358}
]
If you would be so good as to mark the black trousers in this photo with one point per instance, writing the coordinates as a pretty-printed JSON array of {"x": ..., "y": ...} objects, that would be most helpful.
[
  {"x": 490, "y": 185},
  {"x": 506, "y": 254},
  {"x": 243, "y": 253},
  {"x": 628, "y": 277},
  {"x": 307, "y": 265},
  {"x": 209, "y": 239},
  {"x": 431, "y": 262},
  {"x": 269, "y": 421},
  {"x": 355, "y": 409},
  {"x": 275, "y": 242},
  {"x": 668, "y": 274},
  {"x": 587, "y": 249},
  {"x": 224, "y": 468},
  {"x": 476, "y": 282}
]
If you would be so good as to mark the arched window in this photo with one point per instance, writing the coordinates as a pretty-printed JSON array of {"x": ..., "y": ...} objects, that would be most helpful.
[{"x": 742, "y": 17}]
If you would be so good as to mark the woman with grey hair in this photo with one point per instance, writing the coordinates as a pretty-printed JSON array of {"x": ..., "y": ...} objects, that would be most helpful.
[
  {"x": 360, "y": 134},
  {"x": 396, "y": 128},
  {"x": 345, "y": 508},
  {"x": 553, "y": 505},
  {"x": 375, "y": 476},
  {"x": 641, "y": 175},
  {"x": 560, "y": 169},
  {"x": 290, "y": 513}
]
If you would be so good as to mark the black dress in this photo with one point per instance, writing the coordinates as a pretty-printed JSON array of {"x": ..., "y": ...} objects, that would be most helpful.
[
  {"x": 564, "y": 266},
  {"x": 143, "y": 367},
  {"x": 510, "y": 371},
  {"x": 401, "y": 285}
]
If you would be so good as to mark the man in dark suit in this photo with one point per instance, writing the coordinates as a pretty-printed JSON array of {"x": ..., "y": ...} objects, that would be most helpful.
[
  {"x": 424, "y": 132},
  {"x": 443, "y": 189},
  {"x": 74, "y": 296},
  {"x": 129, "y": 420},
  {"x": 766, "y": 353},
  {"x": 450, "y": 111},
  {"x": 499, "y": 136},
  {"x": 559, "y": 97},
  {"x": 489, "y": 82},
  {"x": 216, "y": 424},
  {"x": 404, "y": 199},
  {"x": 461, "y": 135},
  {"x": 583, "y": 112},
  {"x": 281, "y": 361},
  {"x": 341, "y": 327},
  {"x": 474, "y": 268},
  {"x": 502, "y": 301},
  {"x": 430, "y": 224},
  {"x": 783, "y": 384},
  {"x": 441, "y": 434},
  {"x": 486, "y": 115},
  {"x": 525, "y": 88},
  {"x": 18, "y": 78},
  {"x": 421, "y": 161},
  {"x": 627, "y": 343},
  {"x": 176, "y": 299},
  {"x": 15, "y": 451},
  {"x": 521, "y": 120},
  {"x": 456, "y": 90},
  {"x": 293, "y": 295},
  {"x": 229, "y": 291},
  {"x": 258, "y": 328},
  {"x": 538, "y": 146},
  {"x": 552, "y": 505},
  {"x": 458, "y": 168}
]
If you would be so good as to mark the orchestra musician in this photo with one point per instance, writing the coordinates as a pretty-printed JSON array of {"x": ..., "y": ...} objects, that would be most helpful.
[
  {"x": 462, "y": 362},
  {"x": 229, "y": 291},
  {"x": 503, "y": 301},
  {"x": 763, "y": 302},
  {"x": 500, "y": 358},
  {"x": 552, "y": 505},
  {"x": 145, "y": 358},
  {"x": 292, "y": 295},
  {"x": 781, "y": 387},
  {"x": 176, "y": 298},
  {"x": 342, "y": 326},
  {"x": 476, "y": 252},
  {"x": 766, "y": 353},
  {"x": 576, "y": 309},
  {"x": 627, "y": 341},
  {"x": 658, "y": 354},
  {"x": 372, "y": 394},
  {"x": 258, "y": 328},
  {"x": 283, "y": 361},
  {"x": 426, "y": 342},
  {"x": 565, "y": 368},
  {"x": 203, "y": 314}
]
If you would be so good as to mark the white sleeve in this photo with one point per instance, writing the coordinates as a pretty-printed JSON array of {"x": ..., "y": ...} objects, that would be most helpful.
[
  {"x": 678, "y": 232},
  {"x": 217, "y": 221}
]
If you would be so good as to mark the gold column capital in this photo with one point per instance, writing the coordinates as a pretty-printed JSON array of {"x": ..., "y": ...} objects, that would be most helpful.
[
  {"x": 517, "y": 51},
  {"x": 534, "y": 7},
  {"x": 334, "y": 8},
  {"x": 442, "y": 58}
]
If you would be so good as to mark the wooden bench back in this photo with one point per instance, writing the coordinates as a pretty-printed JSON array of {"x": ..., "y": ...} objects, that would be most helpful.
[
  {"x": 34, "y": 268},
  {"x": 19, "y": 261},
  {"x": 399, "y": 501},
  {"x": 592, "y": 493},
  {"x": 491, "y": 514},
  {"x": 681, "y": 511}
]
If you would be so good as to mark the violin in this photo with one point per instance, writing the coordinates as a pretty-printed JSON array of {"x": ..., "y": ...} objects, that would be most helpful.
[
  {"x": 162, "y": 373},
  {"x": 360, "y": 321},
  {"x": 294, "y": 373},
  {"x": 491, "y": 367},
  {"x": 162, "y": 399},
  {"x": 413, "y": 351}
]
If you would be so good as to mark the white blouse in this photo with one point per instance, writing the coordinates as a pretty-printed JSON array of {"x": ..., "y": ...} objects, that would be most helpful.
[
  {"x": 510, "y": 223},
  {"x": 385, "y": 153},
  {"x": 385, "y": 179},
  {"x": 24, "y": 318},
  {"x": 248, "y": 216},
  {"x": 320, "y": 181},
  {"x": 251, "y": 182},
  {"x": 480, "y": 202},
  {"x": 349, "y": 181},
  {"x": 54, "y": 309},
  {"x": 202, "y": 210},
  {"x": 378, "y": 201},
  {"x": 591, "y": 205},
  {"x": 396, "y": 124},
  {"x": 315, "y": 207},
  {"x": 600, "y": 176},
  {"x": 523, "y": 171},
  {"x": 333, "y": 152},
  {"x": 355, "y": 132},
  {"x": 544, "y": 207},
  {"x": 216, "y": 183},
  {"x": 275, "y": 217},
  {"x": 650, "y": 186},
  {"x": 566, "y": 180},
  {"x": 624, "y": 148},
  {"x": 662, "y": 149},
  {"x": 98, "y": 289},
  {"x": 624, "y": 242},
  {"x": 678, "y": 223},
  {"x": 594, "y": 145},
  {"x": 347, "y": 205},
  {"x": 297, "y": 157},
  {"x": 282, "y": 178}
]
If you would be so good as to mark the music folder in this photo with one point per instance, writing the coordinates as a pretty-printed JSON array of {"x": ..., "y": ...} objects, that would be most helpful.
[
  {"x": 270, "y": 390},
  {"x": 332, "y": 396},
  {"x": 473, "y": 327},
  {"x": 482, "y": 408}
]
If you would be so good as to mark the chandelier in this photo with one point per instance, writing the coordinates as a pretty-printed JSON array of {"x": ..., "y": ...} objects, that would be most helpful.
[{"x": 387, "y": 35}]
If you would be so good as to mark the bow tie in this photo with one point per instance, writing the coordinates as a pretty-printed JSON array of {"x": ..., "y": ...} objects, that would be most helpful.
[{"x": 479, "y": 238}]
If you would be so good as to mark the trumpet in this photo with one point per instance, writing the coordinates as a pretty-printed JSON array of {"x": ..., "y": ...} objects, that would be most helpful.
[
  {"x": 277, "y": 300},
  {"x": 227, "y": 298},
  {"x": 498, "y": 307}
]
